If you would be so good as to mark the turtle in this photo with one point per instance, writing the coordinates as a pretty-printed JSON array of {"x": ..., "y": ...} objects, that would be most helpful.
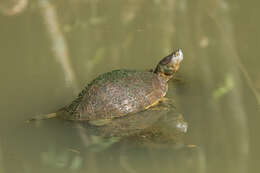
[{"x": 120, "y": 93}]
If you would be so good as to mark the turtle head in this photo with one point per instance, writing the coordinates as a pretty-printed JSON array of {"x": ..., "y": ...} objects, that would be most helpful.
[{"x": 169, "y": 64}]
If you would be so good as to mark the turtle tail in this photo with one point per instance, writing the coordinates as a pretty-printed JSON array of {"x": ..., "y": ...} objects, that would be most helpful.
[{"x": 43, "y": 117}]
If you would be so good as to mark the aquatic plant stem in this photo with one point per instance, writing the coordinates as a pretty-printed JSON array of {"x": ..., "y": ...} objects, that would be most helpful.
[{"x": 58, "y": 41}]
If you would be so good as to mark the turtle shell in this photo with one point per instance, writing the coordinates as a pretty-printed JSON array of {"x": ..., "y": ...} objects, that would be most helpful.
[{"x": 118, "y": 93}]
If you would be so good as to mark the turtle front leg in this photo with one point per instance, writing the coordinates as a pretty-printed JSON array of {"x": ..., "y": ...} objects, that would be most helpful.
[
  {"x": 169, "y": 102},
  {"x": 164, "y": 100},
  {"x": 163, "y": 104}
]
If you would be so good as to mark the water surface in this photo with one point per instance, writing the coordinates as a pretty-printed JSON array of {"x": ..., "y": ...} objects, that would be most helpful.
[{"x": 50, "y": 50}]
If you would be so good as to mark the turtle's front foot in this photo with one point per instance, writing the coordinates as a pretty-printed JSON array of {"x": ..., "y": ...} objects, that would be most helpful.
[
  {"x": 164, "y": 100},
  {"x": 168, "y": 102}
]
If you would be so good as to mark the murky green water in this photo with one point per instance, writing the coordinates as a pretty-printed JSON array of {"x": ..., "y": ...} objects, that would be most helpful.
[{"x": 49, "y": 50}]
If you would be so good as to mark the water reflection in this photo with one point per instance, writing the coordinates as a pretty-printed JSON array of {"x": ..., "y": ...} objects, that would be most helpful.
[{"x": 128, "y": 140}]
